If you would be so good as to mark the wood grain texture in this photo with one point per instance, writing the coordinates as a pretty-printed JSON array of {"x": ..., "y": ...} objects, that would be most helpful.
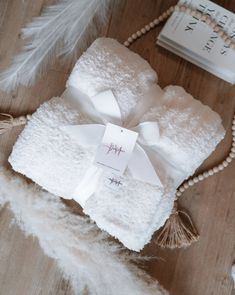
[{"x": 202, "y": 269}]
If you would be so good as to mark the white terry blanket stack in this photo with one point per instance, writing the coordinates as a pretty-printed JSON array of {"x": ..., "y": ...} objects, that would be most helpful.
[{"x": 189, "y": 132}]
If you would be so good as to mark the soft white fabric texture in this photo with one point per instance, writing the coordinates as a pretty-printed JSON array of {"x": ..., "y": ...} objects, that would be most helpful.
[
  {"x": 84, "y": 254},
  {"x": 109, "y": 65},
  {"x": 189, "y": 132}
]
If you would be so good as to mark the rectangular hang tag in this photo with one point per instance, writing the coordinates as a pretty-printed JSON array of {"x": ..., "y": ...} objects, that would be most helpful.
[{"x": 115, "y": 149}]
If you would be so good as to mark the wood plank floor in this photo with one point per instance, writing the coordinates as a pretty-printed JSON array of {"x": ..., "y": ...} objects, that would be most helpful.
[{"x": 202, "y": 269}]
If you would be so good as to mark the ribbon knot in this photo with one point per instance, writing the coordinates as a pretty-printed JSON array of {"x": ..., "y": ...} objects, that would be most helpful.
[{"x": 104, "y": 107}]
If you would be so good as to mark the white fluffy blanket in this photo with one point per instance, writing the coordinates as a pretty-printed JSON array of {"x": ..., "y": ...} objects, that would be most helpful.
[{"x": 188, "y": 133}]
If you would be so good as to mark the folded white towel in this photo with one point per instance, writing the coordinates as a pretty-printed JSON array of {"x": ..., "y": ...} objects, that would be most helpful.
[
  {"x": 189, "y": 132},
  {"x": 109, "y": 65}
]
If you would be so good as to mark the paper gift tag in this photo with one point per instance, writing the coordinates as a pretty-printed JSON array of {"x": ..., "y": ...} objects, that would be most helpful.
[{"x": 115, "y": 149}]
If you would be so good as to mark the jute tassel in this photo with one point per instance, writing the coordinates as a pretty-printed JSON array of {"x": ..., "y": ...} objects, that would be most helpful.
[
  {"x": 7, "y": 122},
  {"x": 177, "y": 232}
]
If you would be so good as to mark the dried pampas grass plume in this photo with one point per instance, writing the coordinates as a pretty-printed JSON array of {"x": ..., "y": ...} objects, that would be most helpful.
[
  {"x": 83, "y": 253},
  {"x": 60, "y": 32}
]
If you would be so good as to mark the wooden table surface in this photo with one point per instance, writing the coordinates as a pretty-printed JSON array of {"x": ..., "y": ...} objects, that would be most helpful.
[{"x": 202, "y": 269}]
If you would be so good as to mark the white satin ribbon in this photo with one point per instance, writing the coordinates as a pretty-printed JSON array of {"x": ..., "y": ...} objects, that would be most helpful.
[
  {"x": 139, "y": 165},
  {"x": 106, "y": 104}
]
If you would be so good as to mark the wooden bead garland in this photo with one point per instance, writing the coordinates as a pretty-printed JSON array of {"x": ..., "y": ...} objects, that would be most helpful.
[
  {"x": 213, "y": 170},
  {"x": 182, "y": 8}
]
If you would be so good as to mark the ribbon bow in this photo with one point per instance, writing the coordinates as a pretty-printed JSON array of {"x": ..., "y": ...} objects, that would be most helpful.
[{"x": 104, "y": 108}]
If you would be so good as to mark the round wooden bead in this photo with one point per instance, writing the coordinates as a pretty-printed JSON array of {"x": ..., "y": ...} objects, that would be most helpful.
[
  {"x": 224, "y": 36},
  {"x": 161, "y": 18},
  {"x": 204, "y": 17},
  {"x": 233, "y": 149},
  {"x": 130, "y": 39},
  {"x": 177, "y": 8},
  {"x": 191, "y": 182},
  {"x": 178, "y": 194},
  {"x": 195, "y": 179},
  {"x": 200, "y": 177},
  {"x": 198, "y": 14},
  {"x": 138, "y": 33},
  {"x": 147, "y": 28},
  {"x": 134, "y": 36},
  {"x": 210, "y": 172},
  {"x": 215, "y": 169},
  {"x": 213, "y": 24},
  {"x": 28, "y": 117},
  {"x": 225, "y": 163},
  {"x": 181, "y": 189},
  {"x": 143, "y": 31},
  {"x": 232, "y": 155},
  {"x": 186, "y": 185},
  {"x": 171, "y": 9},
  {"x": 168, "y": 12},
  {"x": 221, "y": 167},
  {"x": 126, "y": 43},
  {"x": 152, "y": 25},
  {"x": 229, "y": 159},
  {"x": 228, "y": 41},
  {"x": 233, "y": 133},
  {"x": 217, "y": 28},
  {"x": 188, "y": 10},
  {"x": 164, "y": 15},
  {"x": 221, "y": 33},
  {"x": 205, "y": 174},
  {"x": 233, "y": 143},
  {"x": 208, "y": 20},
  {"x": 156, "y": 21}
]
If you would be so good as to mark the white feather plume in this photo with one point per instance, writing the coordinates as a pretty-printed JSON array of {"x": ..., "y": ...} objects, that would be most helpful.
[
  {"x": 58, "y": 32},
  {"x": 82, "y": 252}
]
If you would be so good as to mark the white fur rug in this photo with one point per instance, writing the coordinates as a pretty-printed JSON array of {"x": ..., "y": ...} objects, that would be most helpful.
[{"x": 83, "y": 253}]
